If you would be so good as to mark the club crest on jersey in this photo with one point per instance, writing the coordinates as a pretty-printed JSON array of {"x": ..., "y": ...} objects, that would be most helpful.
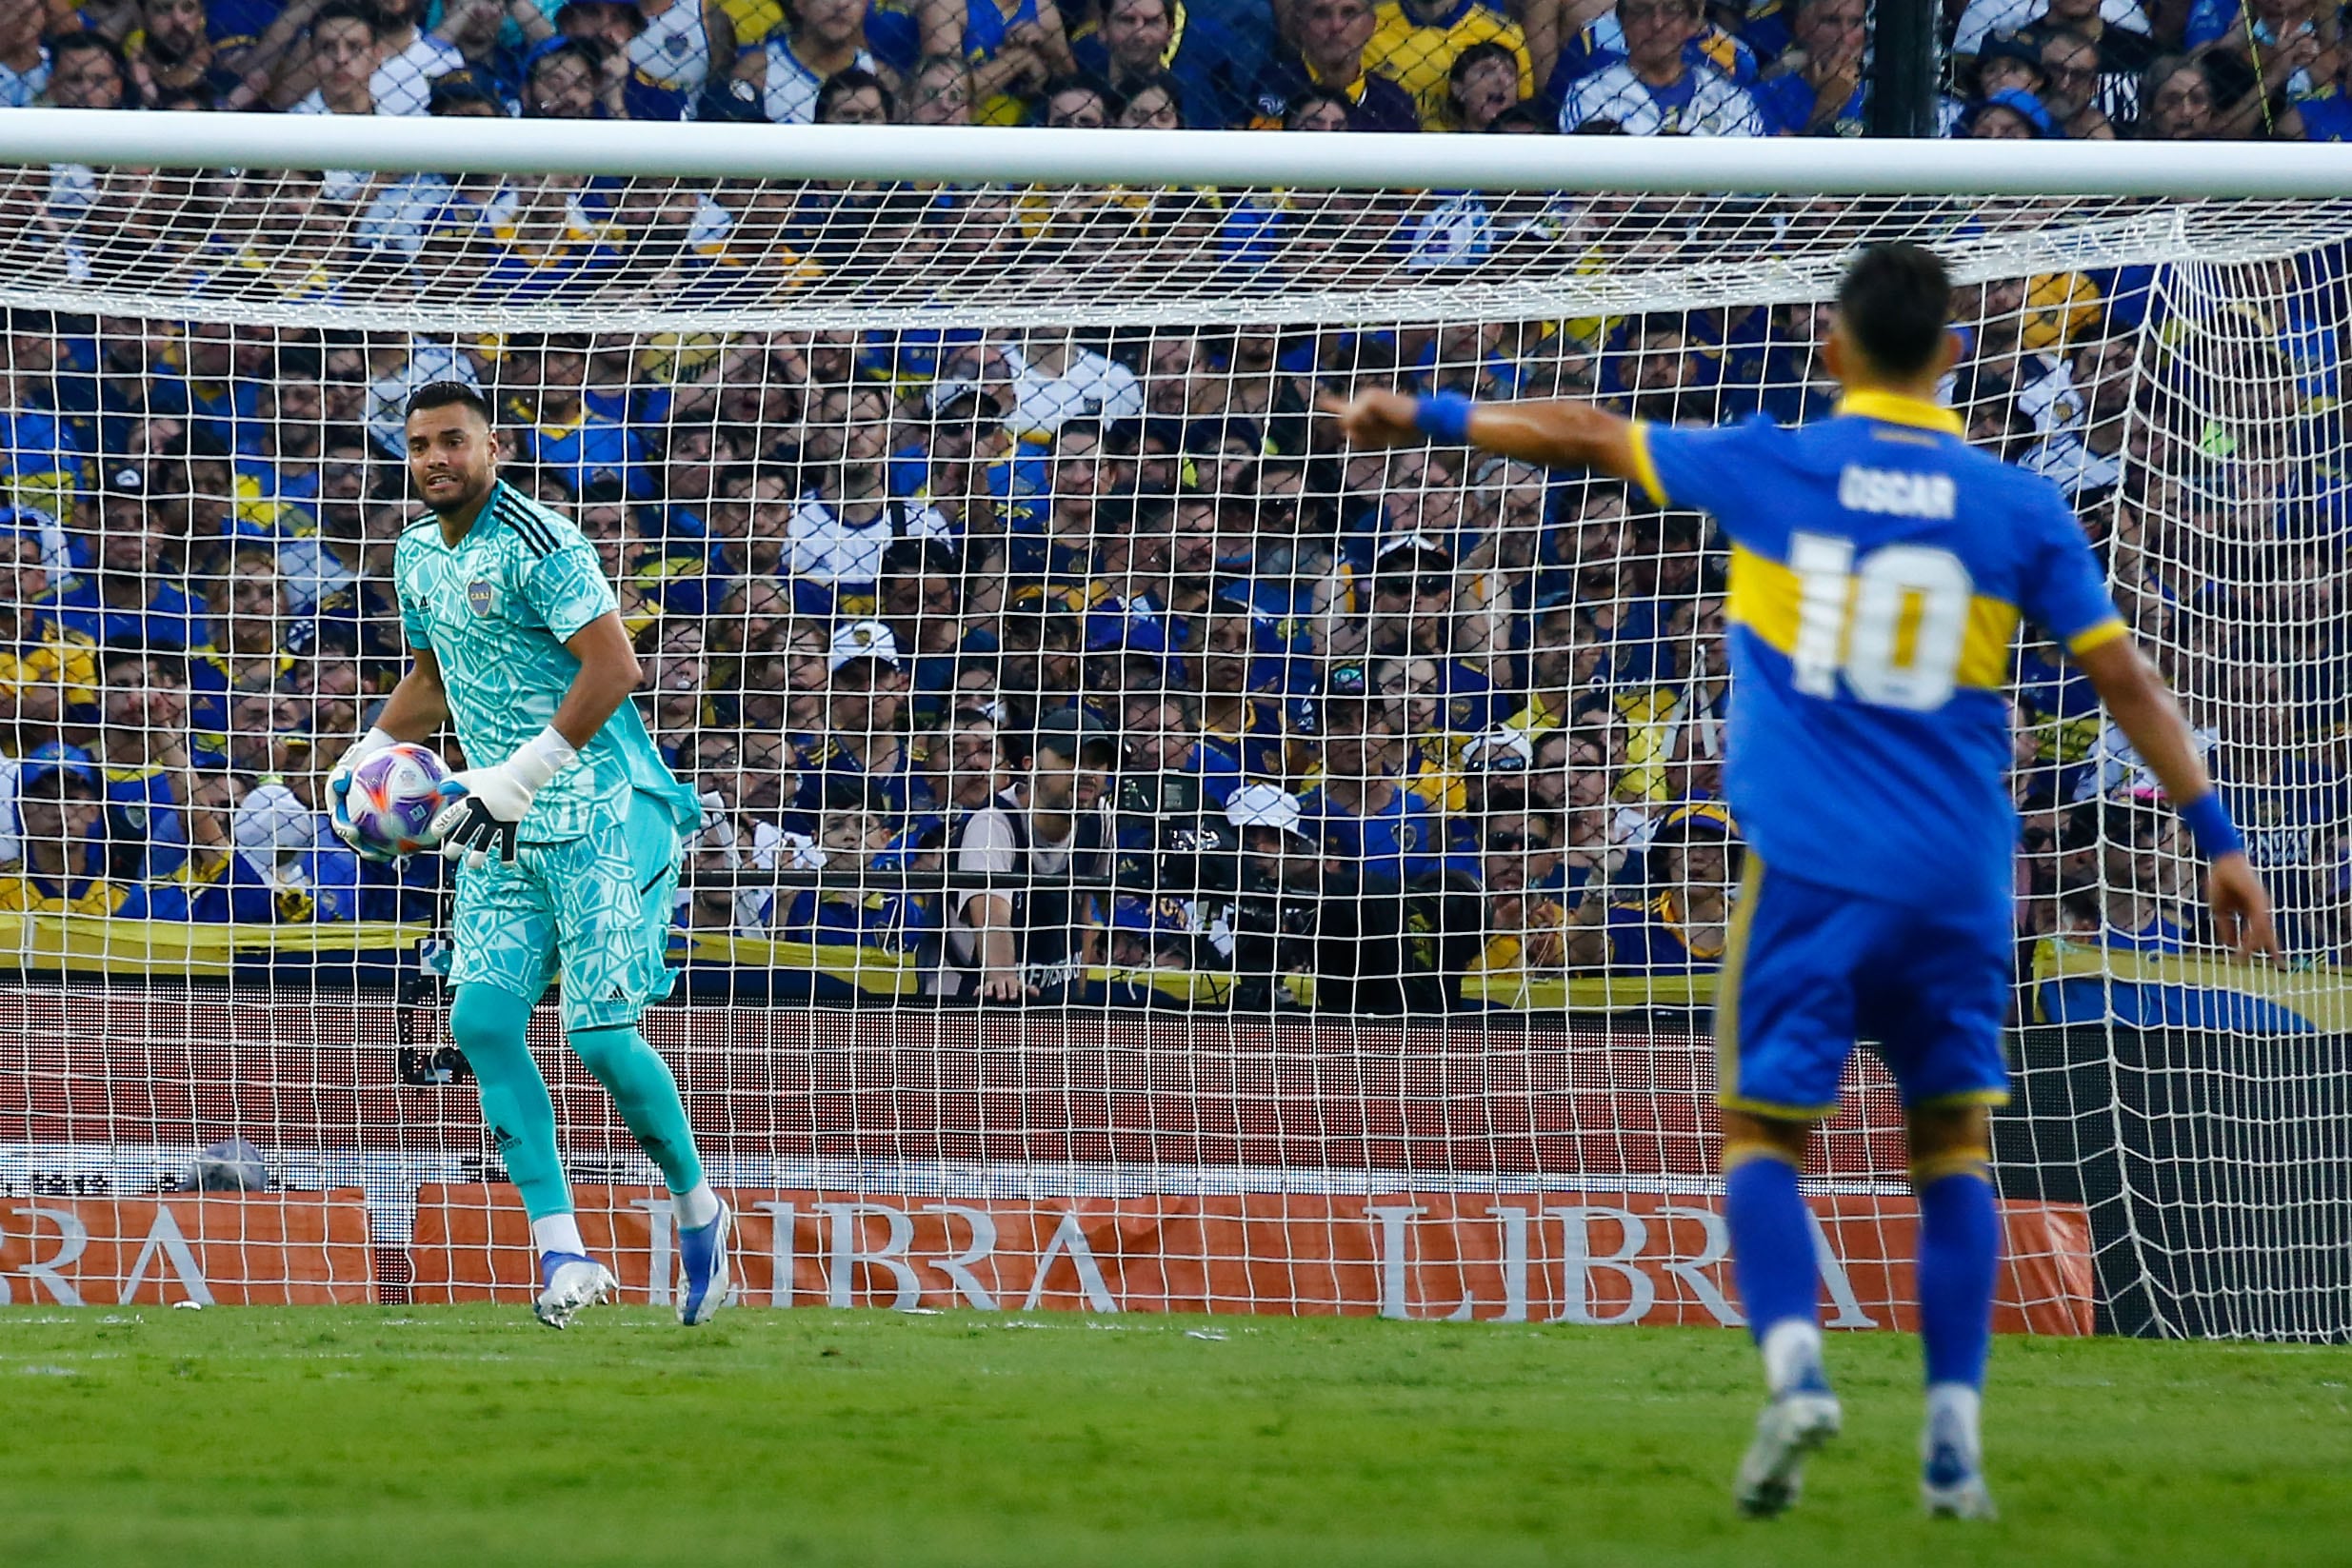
[{"x": 481, "y": 597}]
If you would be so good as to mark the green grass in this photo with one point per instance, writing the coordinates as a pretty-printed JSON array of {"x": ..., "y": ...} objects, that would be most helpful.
[{"x": 431, "y": 1437}]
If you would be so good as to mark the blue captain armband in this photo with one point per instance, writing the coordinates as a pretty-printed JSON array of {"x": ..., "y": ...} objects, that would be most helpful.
[
  {"x": 1444, "y": 418},
  {"x": 2208, "y": 824}
]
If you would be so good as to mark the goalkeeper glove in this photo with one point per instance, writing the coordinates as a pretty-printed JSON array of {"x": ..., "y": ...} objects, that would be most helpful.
[
  {"x": 487, "y": 805},
  {"x": 339, "y": 793}
]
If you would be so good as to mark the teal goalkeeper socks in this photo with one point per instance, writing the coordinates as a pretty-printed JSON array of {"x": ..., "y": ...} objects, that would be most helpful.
[
  {"x": 641, "y": 1085},
  {"x": 490, "y": 1027}
]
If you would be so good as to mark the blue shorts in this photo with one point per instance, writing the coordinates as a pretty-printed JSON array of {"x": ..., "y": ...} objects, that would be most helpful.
[{"x": 1809, "y": 970}]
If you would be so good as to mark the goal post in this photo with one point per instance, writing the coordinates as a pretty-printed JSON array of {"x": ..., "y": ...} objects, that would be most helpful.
[{"x": 1373, "y": 974}]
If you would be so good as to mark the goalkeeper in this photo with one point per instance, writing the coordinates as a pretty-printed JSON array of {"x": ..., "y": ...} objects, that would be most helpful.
[
  {"x": 1880, "y": 568},
  {"x": 568, "y": 823}
]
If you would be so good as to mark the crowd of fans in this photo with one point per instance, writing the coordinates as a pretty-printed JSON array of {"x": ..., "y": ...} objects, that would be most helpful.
[
  {"x": 1021, "y": 656},
  {"x": 2176, "y": 69}
]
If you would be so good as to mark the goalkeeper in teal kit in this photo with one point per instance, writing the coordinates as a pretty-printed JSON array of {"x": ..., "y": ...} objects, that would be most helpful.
[
  {"x": 567, "y": 826},
  {"x": 1880, "y": 568}
]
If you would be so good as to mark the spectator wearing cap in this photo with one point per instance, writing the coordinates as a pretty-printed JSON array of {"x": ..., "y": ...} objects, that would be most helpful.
[
  {"x": 131, "y": 598},
  {"x": 1280, "y": 885},
  {"x": 863, "y": 753},
  {"x": 1327, "y": 57},
  {"x": 1029, "y": 934},
  {"x": 1817, "y": 88},
  {"x": 2012, "y": 114},
  {"x": 1682, "y": 923},
  {"x": 848, "y": 518},
  {"x": 1127, "y": 655},
  {"x": 62, "y": 821},
  {"x": 1656, "y": 89},
  {"x": 779, "y": 80},
  {"x": 49, "y": 676}
]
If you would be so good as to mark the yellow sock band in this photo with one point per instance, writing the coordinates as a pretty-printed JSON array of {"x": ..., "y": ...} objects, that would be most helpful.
[
  {"x": 1736, "y": 1155},
  {"x": 1976, "y": 1163}
]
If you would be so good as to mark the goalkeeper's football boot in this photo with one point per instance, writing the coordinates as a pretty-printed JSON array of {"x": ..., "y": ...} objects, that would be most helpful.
[
  {"x": 1951, "y": 1483},
  {"x": 1799, "y": 1419},
  {"x": 568, "y": 1284},
  {"x": 702, "y": 1270}
]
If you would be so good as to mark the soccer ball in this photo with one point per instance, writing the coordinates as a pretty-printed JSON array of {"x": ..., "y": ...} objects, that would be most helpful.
[{"x": 393, "y": 796}]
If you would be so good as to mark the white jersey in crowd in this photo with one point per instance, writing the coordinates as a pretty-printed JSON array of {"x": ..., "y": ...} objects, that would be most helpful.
[
  {"x": 403, "y": 84},
  {"x": 1718, "y": 106},
  {"x": 2073, "y": 464},
  {"x": 824, "y": 547},
  {"x": 19, "y": 89},
  {"x": 336, "y": 185},
  {"x": 790, "y": 98},
  {"x": 674, "y": 49},
  {"x": 1989, "y": 16},
  {"x": 1091, "y": 388}
]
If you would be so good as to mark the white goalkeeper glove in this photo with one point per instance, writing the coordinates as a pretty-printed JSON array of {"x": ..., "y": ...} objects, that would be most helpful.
[
  {"x": 487, "y": 805},
  {"x": 339, "y": 793}
]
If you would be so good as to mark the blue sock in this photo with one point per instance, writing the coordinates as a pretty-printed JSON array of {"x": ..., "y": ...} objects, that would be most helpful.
[
  {"x": 1959, "y": 1249},
  {"x": 1771, "y": 1243}
]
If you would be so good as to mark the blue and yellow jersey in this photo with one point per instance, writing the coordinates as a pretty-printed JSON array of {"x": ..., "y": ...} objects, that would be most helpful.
[
  {"x": 63, "y": 660},
  {"x": 143, "y": 815},
  {"x": 1880, "y": 566}
]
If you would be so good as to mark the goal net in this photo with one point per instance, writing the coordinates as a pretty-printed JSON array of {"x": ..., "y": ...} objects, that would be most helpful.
[{"x": 1153, "y": 856}]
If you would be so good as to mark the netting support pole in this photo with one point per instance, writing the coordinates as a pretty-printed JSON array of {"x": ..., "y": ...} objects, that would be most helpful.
[{"x": 1902, "y": 69}]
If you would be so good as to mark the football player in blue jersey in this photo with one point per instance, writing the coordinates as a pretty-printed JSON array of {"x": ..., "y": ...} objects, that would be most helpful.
[{"x": 1880, "y": 568}]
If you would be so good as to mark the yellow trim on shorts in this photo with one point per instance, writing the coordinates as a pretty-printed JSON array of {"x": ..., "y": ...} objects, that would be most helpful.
[
  {"x": 1645, "y": 467},
  {"x": 1772, "y": 1110},
  {"x": 1727, "y": 983},
  {"x": 1736, "y": 1155},
  {"x": 1977, "y": 1163},
  {"x": 1963, "y": 1097},
  {"x": 2098, "y": 636}
]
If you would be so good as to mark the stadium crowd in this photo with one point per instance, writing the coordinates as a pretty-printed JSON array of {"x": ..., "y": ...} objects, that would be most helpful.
[
  {"x": 1016, "y": 654},
  {"x": 2177, "y": 70}
]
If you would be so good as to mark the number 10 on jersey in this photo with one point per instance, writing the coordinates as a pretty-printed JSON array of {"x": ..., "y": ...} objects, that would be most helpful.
[{"x": 1893, "y": 624}]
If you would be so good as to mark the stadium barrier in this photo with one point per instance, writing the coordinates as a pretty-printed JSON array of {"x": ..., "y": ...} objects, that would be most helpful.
[{"x": 1098, "y": 1160}]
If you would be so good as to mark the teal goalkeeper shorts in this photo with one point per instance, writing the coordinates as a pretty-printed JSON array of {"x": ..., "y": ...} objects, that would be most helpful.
[{"x": 595, "y": 909}]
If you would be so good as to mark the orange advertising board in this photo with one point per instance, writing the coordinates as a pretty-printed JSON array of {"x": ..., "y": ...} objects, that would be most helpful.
[
  {"x": 1545, "y": 1257},
  {"x": 273, "y": 1249}
]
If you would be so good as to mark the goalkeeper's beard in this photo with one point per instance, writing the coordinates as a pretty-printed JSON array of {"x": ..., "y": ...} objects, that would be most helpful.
[{"x": 476, "y": 489}]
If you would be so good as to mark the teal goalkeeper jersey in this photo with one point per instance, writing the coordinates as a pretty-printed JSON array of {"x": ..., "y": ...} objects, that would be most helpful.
[
  {"x": 1880, "y": 566},
  {"x": 496, "y": 609}
]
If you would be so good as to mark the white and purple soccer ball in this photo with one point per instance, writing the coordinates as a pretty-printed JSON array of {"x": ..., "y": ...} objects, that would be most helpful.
[{"x": 393, "y": 796}]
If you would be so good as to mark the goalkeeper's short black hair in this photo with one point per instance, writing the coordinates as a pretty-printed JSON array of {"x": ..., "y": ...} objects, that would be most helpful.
[
  {"x": 1896, "y": 302},
  {"x": 449, "y": 394}
]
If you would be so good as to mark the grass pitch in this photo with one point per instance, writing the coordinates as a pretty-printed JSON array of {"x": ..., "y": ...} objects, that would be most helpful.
[{"x": 431, "y": 1437}]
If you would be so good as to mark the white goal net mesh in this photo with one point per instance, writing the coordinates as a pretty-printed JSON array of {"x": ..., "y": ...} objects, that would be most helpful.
[{"x": 1153, "y": 856}]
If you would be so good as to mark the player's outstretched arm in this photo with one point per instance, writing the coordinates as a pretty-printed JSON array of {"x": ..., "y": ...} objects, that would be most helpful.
[
  {"x": 2144, "y": 710},
  {"x": 1557, "y": 433},
  {"x": 487, "y": 805}
]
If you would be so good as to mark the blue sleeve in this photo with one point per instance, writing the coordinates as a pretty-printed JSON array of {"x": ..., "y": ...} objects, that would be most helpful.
[
  {"x": 1710, "y": 470},
  {"x": 2064, "y": 589}
]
